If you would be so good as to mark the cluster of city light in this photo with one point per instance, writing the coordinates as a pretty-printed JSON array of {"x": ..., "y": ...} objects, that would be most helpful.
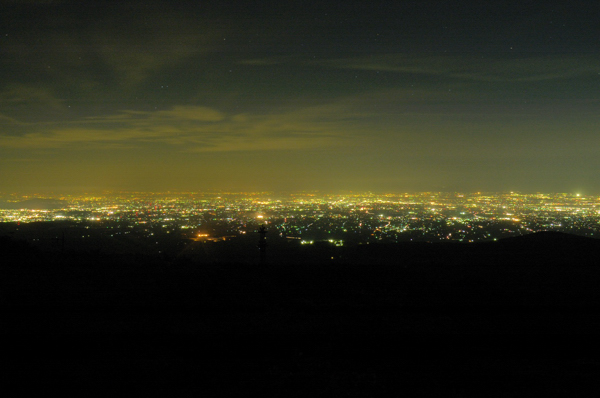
[{"x": 333, "y": 218}]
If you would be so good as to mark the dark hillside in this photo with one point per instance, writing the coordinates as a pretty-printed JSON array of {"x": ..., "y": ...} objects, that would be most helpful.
[{"x": 458, "y": 320}]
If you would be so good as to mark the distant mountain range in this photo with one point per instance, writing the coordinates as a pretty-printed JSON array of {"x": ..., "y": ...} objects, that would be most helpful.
[{"x": 34, "y": 204}]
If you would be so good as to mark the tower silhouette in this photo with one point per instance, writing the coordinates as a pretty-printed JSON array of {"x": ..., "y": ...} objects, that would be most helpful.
[{"x": 262, "y": 243}]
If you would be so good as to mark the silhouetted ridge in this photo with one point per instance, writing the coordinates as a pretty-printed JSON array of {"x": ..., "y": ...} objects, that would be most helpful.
[
  {"x": 551, "y": 238},
  {"x": 550, "y": 247}
]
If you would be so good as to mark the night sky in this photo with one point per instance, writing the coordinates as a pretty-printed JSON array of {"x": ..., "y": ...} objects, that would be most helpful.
[{"x": 332, "y": 96}]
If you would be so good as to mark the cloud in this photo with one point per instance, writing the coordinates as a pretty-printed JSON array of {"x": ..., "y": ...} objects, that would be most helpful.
[
  {"x": 4, "y": 120},
  {"x": 198, "y": 129},
  {"x": 30, "y": 95},
  {"x": 270, "y": 61},
  {"x": 150, "y": 41},
  {"x": 474, "y": 68},
  {"x": 121, "y": 44},
  {"x": 192, "y": 113}
]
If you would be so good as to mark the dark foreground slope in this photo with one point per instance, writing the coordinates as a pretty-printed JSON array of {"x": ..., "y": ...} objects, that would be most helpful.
[{"x": 514, "y": 318}]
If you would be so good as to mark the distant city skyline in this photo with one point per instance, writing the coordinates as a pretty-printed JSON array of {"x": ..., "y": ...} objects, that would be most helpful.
[{"x": 254, "y": 96}]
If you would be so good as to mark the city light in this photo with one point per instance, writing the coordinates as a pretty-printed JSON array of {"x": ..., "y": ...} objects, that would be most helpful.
[{"x": 333, "y": 219}]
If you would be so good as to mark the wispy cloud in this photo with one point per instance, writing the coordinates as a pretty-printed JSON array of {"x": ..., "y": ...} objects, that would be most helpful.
[
  {"x": 124, "y": 45},
  {"x": 4, "y": 120},
  {"x": 198, "y": 129},
  {"x": 30, "y": 95},
  {"x": 474, "y": 68},
  {"x": 272, "y": 60},
  {"x": 191, "y": 113}
]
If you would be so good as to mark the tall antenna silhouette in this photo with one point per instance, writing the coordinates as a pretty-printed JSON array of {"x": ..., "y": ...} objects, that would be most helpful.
[{"x": 262, "y": 243}]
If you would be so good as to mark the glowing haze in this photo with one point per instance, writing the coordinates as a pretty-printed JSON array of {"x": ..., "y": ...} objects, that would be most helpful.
[{"x": 419, "y": 95}]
